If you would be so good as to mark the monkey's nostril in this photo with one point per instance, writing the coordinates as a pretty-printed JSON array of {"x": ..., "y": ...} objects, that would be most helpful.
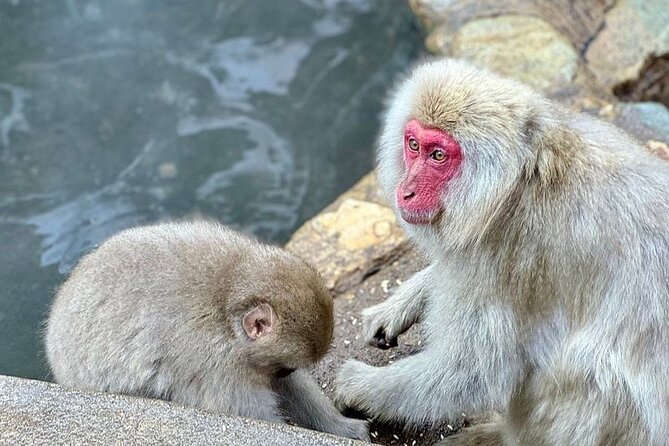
[{"x": 408, "y": 195}]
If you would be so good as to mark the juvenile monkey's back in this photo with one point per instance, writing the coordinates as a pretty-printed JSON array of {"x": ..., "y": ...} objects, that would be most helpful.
[{"x": 147, "y": 304}]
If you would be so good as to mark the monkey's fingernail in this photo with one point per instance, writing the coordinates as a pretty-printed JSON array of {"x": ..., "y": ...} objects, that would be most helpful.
[{"x": 383, "y": 344}]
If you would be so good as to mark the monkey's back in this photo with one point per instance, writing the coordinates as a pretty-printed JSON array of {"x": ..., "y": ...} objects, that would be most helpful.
[{"x": 141, "y": 311}]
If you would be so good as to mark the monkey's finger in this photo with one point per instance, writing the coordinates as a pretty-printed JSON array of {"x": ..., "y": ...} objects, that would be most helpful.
[
  {"x": 373, "y": 340},
  {"x": 381, "y": 341},
  {"x": 385, "y": 344}
]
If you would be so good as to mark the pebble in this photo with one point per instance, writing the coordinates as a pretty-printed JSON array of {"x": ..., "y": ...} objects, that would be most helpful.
[
  {"x": 384, "y": 285},
  {"x": 167, "y": 170}
]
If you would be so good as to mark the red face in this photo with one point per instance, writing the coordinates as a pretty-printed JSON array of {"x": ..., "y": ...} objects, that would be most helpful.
[{"x": 431, "y": 158}]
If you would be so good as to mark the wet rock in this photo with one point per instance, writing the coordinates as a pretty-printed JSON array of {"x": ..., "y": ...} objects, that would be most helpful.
[
  {"x": 167, "y": 170},
  {"x": 525, "y": 48},
  {"x": 350, "y": 242},
  {"x": 634, "y": 30}
]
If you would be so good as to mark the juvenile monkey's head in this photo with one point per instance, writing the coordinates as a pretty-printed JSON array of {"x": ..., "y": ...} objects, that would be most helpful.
[
  {"x": 282, "y": 312},
  {"x": 455, "y": 143}
]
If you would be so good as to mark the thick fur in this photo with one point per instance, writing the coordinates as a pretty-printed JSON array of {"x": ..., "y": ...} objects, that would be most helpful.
[
  {"x": 157, "y": 311},
  {"x": 547, "y": 295}
]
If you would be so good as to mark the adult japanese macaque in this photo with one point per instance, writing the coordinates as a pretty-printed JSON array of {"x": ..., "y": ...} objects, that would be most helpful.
[
  {"x": 547, "y": 293},
  {"x": 200, "y": 315}
]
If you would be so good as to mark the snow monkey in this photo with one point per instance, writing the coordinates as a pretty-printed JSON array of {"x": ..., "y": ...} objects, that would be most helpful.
[
  {"x": 195, "y": 313},
  {"x": 547, "y": 293}
]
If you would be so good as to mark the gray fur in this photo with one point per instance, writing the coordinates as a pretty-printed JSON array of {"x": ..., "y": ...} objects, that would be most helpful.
[
  {"x": 156, "y": 311},
  {"x": 547, "y": 296}
]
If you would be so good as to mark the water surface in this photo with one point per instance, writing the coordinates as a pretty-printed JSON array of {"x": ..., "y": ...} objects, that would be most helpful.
[{"x": 114, "y": 113}]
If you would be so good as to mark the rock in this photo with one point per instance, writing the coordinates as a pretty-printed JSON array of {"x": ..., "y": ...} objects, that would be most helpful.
[
  {"x": 651, "y": 85},
  {"x": 366, "y": 189},
  {"x": 351, "y": 238},
  {"x": 167, "y": 171},
  {"x": 634, "y": 31},
  {"x": 40, "y": 413},
  {"x": 577, "y": 21},
  {"x": 658, "y": 148},
  {"x": 525, "y": 48},
  {"x": 349, "y": 243},
  {"x": 644, "y": 120}
]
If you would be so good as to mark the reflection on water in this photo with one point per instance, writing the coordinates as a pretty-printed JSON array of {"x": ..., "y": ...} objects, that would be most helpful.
[{"x": 114, "y": 113}]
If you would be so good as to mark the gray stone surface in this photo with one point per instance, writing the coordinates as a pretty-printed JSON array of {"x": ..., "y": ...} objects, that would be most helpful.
[
  {"x": 578, "y": 21},
  {"x": 40, "y": 413},
  {"x": 634, "y": 30},
  {"x": 524, "y": 48},
  {"x": 645, "y": 120}
]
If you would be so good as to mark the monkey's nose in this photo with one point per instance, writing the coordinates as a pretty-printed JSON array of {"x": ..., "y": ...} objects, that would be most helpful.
[{"x": 409, "y": 195}]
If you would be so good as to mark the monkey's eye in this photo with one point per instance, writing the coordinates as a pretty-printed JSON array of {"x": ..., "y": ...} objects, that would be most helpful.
[
  {"x": 413, "y": 144},
  {"x": 438, "y": 155}
]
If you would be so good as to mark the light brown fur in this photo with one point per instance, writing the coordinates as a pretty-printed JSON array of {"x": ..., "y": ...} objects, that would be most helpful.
[
  {"x": 546, "y": 296},
  {"x": 157, "y": 311}
]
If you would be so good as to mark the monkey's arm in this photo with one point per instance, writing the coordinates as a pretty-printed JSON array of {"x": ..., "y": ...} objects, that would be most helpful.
[
  {"x": 303, "y": 402},
  {"x": 385, "y": 321},
  {"x": 471, "y": 365}
]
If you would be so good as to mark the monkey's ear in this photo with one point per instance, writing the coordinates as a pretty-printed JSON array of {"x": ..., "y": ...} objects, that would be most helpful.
[
  {"x": 556, "y": 151},
  {"x": 260, "y": 321}
]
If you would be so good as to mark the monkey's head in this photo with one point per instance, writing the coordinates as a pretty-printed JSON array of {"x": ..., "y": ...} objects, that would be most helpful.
[
  {"x": 455, "y": 143},
  {"x": 282, "y": 313}
]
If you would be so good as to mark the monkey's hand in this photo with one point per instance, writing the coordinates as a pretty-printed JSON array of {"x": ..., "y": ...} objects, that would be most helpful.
[
  {"x": 384, "y": 322},
  {"x": 350, "y": 388},
  {"x": 382, "y": 325},
  {"x": 302, "y": 401},
  {"x": 352, "y": 428}
]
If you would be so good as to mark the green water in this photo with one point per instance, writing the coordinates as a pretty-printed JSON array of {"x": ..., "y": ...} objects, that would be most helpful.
[{"x": 120, "y": 112}]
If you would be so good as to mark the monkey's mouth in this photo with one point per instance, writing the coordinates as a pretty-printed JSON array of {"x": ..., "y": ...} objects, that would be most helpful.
[{"x": 418, "y": 217}]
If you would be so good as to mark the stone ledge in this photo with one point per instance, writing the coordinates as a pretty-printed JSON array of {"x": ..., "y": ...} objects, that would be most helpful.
[{"x": 40, "y": 413}]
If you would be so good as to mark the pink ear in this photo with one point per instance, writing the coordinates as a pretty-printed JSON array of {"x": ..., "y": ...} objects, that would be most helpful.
[{"x": 260, "y": 321}]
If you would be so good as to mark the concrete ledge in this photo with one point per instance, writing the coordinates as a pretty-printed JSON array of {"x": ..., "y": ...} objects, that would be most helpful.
[{"x": 40, "y": 413}]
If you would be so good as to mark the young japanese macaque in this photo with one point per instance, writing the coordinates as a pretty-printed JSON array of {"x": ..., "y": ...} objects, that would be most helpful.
[
  {"x": 200, "y": 315},
  {"x": 547, "y": 293}
]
